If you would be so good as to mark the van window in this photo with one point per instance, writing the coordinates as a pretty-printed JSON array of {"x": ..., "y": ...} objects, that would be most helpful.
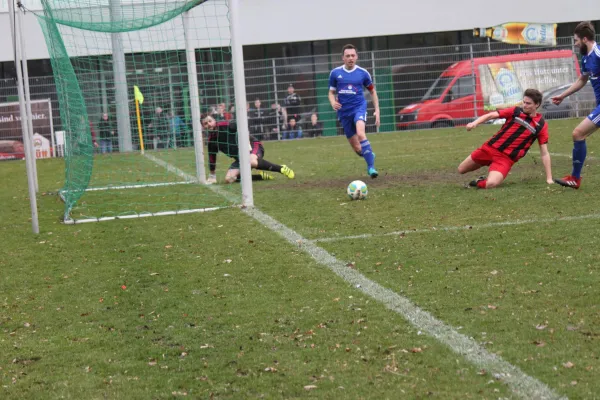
[
  {"x": 464, "y": 86},
  {"x": 438, "y": 87}
]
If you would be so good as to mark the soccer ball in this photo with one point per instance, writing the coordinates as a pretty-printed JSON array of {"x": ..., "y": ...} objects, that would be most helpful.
[{"x": 357, "y": 190}]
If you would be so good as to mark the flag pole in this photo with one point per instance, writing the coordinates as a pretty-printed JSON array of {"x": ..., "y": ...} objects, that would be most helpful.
[
  {"x": 139, "y": 121},
  {"x": 139, "y": 98}
]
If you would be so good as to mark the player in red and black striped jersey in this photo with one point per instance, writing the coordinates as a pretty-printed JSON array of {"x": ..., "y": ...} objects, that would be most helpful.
[
  {"x": 522, "y": 128},
  {"x": 222, "y": 136}
]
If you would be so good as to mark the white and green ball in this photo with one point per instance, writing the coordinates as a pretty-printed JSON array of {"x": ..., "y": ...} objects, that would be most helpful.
[{"x": 357, "y": 190}]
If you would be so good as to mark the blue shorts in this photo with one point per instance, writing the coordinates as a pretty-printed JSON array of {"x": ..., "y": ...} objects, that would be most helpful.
[
  {"x": 349, "y": 121},
  {"x": 595, "y": 116}
]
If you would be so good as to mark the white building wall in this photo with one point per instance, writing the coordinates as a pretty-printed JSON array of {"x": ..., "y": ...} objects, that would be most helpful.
[{"x": 281, "y": 21}]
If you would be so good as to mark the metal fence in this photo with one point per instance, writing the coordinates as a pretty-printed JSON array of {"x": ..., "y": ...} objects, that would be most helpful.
[{"x": 418, "y": 88}]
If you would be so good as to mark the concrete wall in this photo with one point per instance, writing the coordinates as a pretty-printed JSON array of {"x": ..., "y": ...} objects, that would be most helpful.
[{"x": 281, "y": 21}]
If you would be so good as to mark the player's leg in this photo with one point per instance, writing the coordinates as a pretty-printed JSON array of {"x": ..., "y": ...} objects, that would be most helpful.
[
  {"x": 468, "y": 165},
  {"x": 494, "y": 179},
  {"x": 232, "y": 175},
  {"x": 349, "y": 128},
  {"x": 233, "y": 172},
  {"x": 580, "y": 134},
  {"x": 360, "y": 119},
  {"x": 477, "y": 159},
  {"x": 257, "y": 161},
  {"x": 499, "y": 169}
]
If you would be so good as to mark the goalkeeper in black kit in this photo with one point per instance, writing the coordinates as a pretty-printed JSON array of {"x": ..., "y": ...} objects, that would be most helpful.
[{"x": 222, "y": 137}]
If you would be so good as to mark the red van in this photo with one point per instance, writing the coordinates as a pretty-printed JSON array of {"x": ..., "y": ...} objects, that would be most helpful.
[{"x": 470, "y": 88}]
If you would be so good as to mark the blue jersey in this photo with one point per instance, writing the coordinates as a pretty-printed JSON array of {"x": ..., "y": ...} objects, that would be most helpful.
[
  {"x": 349, "y": 88},
  {"x": 590, "y": 66}
]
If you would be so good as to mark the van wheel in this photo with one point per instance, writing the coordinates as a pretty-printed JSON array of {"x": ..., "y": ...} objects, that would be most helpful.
[{"x": 442, "y": 124}]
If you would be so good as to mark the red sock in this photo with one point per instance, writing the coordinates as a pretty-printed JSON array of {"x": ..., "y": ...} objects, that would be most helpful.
[{"x": 481, "y": 184}]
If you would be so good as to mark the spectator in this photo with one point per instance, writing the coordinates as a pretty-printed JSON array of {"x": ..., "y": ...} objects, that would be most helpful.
[
  {"x": 107, "y": 134},
  {"x": 221, "y": 113},
  {"x": 159, "y": 129},
  {"x": 277, "y": 119},
  {"x": 94, "y": 141},
  {"x": 315, "y": 127},
  {"x": 257, "y": 120},
  {"x": 292, "y": 104},
  {"x": 293, "y": 131},
  {"x": 177, "y": 130}
]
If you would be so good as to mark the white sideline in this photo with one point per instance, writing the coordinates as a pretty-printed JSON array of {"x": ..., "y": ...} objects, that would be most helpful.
[
  {"x": 458, "y": 228},
  {"x": 520, "y": 383},
  {"x": 537, "y": 153}
]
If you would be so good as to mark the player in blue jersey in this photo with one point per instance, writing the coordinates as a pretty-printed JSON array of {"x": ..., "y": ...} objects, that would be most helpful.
[
  {"x": 585, "y": 39},
  {"x": 347, "y": 82}
]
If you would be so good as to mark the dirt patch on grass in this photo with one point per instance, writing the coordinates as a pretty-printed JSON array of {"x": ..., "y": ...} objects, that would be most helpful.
[{"x": 522, "y": 173}]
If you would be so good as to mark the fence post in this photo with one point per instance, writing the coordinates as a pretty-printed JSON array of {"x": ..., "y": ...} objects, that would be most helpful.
[
  {"x": 276, "y": 98},
  {"x": 172, "y": 106},
  {"x": 574, "y": 74},
  {"x": 373, "y": 69},
  {"x": 474, "y": 80}
]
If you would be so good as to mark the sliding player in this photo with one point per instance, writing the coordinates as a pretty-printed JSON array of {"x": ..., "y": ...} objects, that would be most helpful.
[
  {"x": 222, "y": 136},
  {"x": 522, "y": 128}
]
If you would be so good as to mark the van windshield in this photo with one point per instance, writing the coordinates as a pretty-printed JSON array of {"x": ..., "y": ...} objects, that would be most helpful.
[{"x": 438, "y": 87}]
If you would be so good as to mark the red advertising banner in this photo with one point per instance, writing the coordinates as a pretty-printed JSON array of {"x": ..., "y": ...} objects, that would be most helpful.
[{"x": 11, "y": 136}]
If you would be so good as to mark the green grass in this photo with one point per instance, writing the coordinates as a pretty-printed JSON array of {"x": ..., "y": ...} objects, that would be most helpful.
[{"x": 215, "y": 305}]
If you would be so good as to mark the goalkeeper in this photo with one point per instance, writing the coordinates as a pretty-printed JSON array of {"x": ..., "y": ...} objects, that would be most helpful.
[{"x": 222, "y": 136}]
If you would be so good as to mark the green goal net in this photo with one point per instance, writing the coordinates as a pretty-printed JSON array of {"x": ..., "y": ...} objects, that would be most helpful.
[{"x": 134, "y": 78}]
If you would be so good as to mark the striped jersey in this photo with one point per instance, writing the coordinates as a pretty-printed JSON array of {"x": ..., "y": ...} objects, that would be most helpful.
[{"x": 518, "y": 133}]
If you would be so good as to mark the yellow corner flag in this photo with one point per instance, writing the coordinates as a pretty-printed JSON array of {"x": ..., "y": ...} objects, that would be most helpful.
[
  {"x": 138, "y": 95},
  {"x": 139, "y": 99}
]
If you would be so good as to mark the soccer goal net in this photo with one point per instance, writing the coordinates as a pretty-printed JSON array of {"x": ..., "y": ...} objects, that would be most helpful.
[{"x": 134, "y": 78}]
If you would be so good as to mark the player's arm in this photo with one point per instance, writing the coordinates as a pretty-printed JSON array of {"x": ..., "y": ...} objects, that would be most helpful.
[
  {"x": 213, "y": 149},
  {"x": 484, "y": 118},
  {"x": 545, "y": 156},
  {"x": 375, "y": 100},
  {"x": 368, "y": 83},
  {"x": 332, "y": 100},
  {"x": 576, "y": 86},
  {"x": 332, "y": 89}
]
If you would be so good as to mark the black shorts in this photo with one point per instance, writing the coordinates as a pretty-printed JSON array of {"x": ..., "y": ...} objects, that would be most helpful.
[{"x": 257, "y": 148}]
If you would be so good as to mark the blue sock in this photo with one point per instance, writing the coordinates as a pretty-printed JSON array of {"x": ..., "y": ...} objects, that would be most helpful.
[
  {"x": 367, "y": 153},
  {"x": 579, "y": 153}
]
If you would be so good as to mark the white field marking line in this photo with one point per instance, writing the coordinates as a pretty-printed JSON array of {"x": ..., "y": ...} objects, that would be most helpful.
[
  {"x": 171, "y": 168},
  {"x": 458, "y": 228},
  {"x": 141, "y": 215},
  {"x": 565, "y": 155},
  {"x": 520, "y": 383},
  {"x": 133, "y": 186}
]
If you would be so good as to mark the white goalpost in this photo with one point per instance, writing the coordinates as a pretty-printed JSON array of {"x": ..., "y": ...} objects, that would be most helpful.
[{"x": 132, "y": 98}]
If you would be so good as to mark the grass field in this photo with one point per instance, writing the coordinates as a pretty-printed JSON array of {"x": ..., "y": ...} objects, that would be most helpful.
[{"x": 216, "y": 305}]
